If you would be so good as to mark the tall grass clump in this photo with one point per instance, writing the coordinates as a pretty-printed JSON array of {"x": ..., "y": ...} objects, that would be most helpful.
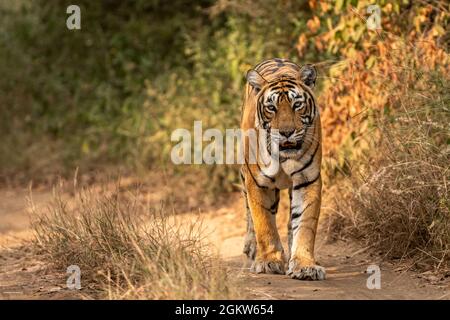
[
  {"x": 401, "y": 204},
  {"x": 125, "y": 251}
]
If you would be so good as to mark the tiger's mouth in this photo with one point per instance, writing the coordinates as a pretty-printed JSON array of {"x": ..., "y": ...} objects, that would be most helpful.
[
  {"x": 289, "y": 146},
  {"x": 290, "y": 150}
]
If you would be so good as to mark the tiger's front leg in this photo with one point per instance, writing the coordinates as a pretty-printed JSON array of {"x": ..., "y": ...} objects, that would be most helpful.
[
  {"x": 263, "y": 205},
  {"x": 305, "y": 210}
]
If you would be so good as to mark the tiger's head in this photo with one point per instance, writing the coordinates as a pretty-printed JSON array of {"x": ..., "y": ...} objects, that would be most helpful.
[{"x": 286, "y": 109}]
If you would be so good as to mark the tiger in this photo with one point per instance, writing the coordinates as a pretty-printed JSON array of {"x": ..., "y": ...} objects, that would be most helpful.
[{"x": 279, "y": 100}]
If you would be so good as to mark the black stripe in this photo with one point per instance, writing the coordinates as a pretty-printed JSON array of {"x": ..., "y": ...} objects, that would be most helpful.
[
  {"x": 266, "y": 67},
  {"x": 310, "y": 161},
  {"x": 259, "y": 107},
  {"x": 295, "y": 215},
  {"x": 253, "y": 178},
  {"x": 299, "y": 214},
  {"x": 311, "y": 107},
  {"x": 279, "y": 83},
  {"x": 289, "y": 81},
  {"x": 307, "y": 183},
  {"x": 274, "y": 207},
  {"x": 262, "y": 64},
  {"x": 275, "y": 87}
]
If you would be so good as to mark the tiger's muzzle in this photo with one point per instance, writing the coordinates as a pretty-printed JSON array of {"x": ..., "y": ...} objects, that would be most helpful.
[{"x": 289, "y": 143}]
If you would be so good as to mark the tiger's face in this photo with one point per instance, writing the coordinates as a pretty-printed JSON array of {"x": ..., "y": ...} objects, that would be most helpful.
[{"x": 286, "y": 110}]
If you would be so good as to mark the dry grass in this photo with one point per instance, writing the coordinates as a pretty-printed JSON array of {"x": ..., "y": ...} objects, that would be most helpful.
[
  {"x": 127, "y": 251},
  {"x": 392, "y": 177},
  {"x": 397, "y": 197}
]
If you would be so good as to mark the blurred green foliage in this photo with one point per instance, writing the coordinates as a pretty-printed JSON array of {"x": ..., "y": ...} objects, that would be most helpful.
[{"x": 111, "y": 93}]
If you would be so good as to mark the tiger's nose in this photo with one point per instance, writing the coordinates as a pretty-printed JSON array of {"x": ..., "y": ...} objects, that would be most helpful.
[{"x": 287, "y": 133}]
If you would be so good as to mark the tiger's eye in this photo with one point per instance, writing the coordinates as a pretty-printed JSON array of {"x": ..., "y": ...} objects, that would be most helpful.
[
  {"x": 271, "y": 107},
  {"x": 298, "y": 105}
]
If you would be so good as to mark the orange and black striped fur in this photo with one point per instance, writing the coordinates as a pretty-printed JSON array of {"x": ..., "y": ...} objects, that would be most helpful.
[{"x": 279, "y": 100}]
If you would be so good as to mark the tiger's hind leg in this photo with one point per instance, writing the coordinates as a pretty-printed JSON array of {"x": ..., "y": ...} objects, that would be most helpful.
[
  {"x": 289, "y": 226},
  {"x": 250, "y": 238}
]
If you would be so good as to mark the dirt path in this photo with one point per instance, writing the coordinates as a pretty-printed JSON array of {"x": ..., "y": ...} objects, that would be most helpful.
[
  {"x": 24, "y": 276},
  {"x": 346, "y": 264}
]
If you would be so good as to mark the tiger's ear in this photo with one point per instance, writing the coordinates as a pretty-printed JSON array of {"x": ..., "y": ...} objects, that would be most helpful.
[
  {"x": 308, "y": 75},
  {"x": 255, "y": 79}
]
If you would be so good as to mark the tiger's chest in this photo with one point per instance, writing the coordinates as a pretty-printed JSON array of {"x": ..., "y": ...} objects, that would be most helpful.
[
  {"x": 281, "y": 180},
  {"x": 287, "y": 175}
]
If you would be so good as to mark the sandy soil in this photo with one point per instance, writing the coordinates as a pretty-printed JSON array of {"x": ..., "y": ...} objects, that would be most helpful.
[{"x": 24, "y": 276}]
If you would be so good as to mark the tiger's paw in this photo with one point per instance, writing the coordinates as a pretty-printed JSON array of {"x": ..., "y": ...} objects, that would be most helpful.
[
  {"x": 308, "y": 272},
  {"x": 273, "y": 267}
]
